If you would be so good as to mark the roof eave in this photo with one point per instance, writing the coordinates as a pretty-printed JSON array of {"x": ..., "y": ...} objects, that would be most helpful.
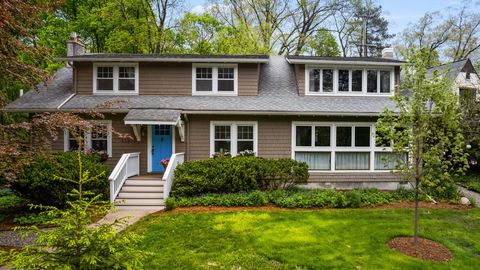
[
  {"x": 154, "y": 59},
  {"x": 342, "y": 62}
]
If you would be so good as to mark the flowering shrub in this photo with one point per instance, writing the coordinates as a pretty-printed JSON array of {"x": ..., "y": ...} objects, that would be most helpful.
[{"x": 165, "y": 162}]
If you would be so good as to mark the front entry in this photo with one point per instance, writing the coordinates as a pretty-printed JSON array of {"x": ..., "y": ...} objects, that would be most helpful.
[{"x": 161, "y": 145}]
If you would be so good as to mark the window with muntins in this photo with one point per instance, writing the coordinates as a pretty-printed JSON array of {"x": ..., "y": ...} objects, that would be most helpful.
[
  {"x": 99, "y": 139},
  {"x": 111, "y": 78},
  {"x": 214, "y": 80},
  {"x": 339, "y": 147},
  {"x": 344, "y": 81},
  {"x": 233, "y": 138}
]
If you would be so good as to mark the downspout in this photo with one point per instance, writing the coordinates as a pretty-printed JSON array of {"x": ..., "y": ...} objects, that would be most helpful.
[{"x": 187, "y": 136}]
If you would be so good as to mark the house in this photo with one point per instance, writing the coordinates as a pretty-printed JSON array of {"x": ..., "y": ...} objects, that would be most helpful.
[
  {"x": 462, "y": 73},
  {"x": 321, "y": 110}
]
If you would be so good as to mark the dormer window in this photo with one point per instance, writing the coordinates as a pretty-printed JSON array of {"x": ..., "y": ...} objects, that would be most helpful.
[
  {"x": 343, "y": 81},
  {"x": 112, "y": 78},
  {"x": 208, "y": 79}
]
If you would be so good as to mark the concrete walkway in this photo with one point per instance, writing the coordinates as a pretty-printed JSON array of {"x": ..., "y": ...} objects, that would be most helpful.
[
  {"x": 132, "y": 215},
  {"x": 471, "y": 194}
]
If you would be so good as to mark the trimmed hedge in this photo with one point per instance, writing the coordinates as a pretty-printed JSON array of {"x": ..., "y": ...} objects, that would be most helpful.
[
  {"x": 298, "y": 198},
  {"x": 237, "y": 174},
  {"x": 37, "y": 183}
]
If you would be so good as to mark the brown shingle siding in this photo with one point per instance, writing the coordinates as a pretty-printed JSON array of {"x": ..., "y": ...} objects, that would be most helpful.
[
  {"x": 300, "y": 77},
  {"x": 248, "y": 79}
]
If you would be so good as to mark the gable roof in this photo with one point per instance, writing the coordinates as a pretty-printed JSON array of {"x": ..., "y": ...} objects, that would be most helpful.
[
  {"x": 123, "y": 57},
  {"x": 452, "y": 69},
  {"x": 278, "y": 94}
]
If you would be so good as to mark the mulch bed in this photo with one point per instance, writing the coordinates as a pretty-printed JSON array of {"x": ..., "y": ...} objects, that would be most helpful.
[
  {"x": 424, "y": 249},
  {"x": 272, "y": 207}
]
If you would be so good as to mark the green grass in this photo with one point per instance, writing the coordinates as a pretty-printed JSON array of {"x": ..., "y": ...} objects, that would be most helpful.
[
  {"x": 470, "y": 181},
  {"x": 322, "y": 239}
]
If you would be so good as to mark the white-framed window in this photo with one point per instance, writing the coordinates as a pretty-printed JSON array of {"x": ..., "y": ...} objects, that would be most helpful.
[
  {"x": 218, "y": 79},
  {"x": 349, "y": 81},
  {"x": 99, "y": 140},
  {"x": 115, "y": 78},
  {"x": 232, "y": 138},
  {"x": 327, "y": 146}
]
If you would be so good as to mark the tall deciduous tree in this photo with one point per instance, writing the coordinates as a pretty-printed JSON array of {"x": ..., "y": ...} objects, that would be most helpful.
[
  {"x": 323, "y": 43},
  {"x": 426, "y": 126}
]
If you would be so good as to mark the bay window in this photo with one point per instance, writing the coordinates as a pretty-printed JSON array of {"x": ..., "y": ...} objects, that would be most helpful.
[
  {"x": 114, "y": 78},
  {"x": 339, "y": 147},
  {"x": 357, "y": 81},
  {"x": 208, "y": 79},
  {"x": 232, "y": 138}
]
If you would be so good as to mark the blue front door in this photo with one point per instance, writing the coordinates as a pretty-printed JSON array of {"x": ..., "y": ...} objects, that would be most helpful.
[{"x": 161, "y": 145}]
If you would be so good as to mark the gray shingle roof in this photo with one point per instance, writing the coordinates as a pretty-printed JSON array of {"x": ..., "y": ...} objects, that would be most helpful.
[
  {"x": 48, "y": 97},
  {"x": 450, "y": 70},
  {"x": 153, "y": 115},
  {"x": 253, "y": 58},
  {"x": 278, "y": 93}
]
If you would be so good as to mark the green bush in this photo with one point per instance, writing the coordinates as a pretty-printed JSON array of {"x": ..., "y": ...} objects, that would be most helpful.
[
  {"x": 37, "y": 183},
  {"x": 297, "y": 198},
  {"x": 237, "y": 174},
  {"x": 9, "y": 201}
]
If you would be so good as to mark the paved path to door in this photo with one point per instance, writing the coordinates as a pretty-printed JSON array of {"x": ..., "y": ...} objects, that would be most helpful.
[
  {"x": 471, "y": 194},
  {"x": 132, "y": 215}
]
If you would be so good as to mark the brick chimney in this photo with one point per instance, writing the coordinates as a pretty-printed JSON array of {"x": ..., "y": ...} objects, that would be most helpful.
[
  {"x": 388, "y": 53},
  {"x": 74, "y": 47}
]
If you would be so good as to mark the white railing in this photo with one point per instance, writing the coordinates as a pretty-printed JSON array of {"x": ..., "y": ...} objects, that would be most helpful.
[
  {"x": 175, "y": 160},
  {"x": 127, "y": 166}
]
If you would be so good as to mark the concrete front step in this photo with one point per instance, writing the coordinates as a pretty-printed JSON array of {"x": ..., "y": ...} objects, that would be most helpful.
[
  {"x": 140, "y": 207},
  {"x": 158, "y": 189},
  {"x": 140, "y": 195},
  {"x": 139, "y": 202},
  {"x": 130, "y": 182}
]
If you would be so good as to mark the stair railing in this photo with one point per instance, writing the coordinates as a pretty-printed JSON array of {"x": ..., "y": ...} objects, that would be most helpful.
[
  {"x": 168, "y": 176},
  {"x": 127, "y": 166}
]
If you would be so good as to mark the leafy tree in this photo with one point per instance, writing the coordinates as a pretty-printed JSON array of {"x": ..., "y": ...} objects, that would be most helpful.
[
  {"x": 323, "y": 44},
  {"x": 199, "y": 33},
  {"x": 348, "y": 25},
  {"x": 426, "y": 126},
  {"x": 74, "y": 243}
]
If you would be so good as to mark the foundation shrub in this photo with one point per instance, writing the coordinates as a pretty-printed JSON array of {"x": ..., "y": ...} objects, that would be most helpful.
[{"x": 237, "y": 174}]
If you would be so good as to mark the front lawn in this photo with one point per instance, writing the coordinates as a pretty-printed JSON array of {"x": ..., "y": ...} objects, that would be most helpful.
[{"x": 291, "y": 239}]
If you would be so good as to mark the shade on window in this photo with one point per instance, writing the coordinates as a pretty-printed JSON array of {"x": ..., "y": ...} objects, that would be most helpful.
[
  {"x": 322, "y": 136},
  {"x": 304, "y": 136},
  {"x": 327, "y": 80},
  {"x": 344, "y": 136},
  {"x": 314, "y": 80},
  {"x": 204, "y": 79},
  {"x": 389, "y": 160},
  {"x": 126, "y": 78},
  {"x": 222, "y": 139},
  {"x": 372, "y": 81},
  {"x": 385, "y": 82},
  {"x": 357, "y": 83},
  {"x": 362, "y": 136},
  {"x": 105, "y": 78},
  {"x": 343, "y": 80},
  {"x": 352, "y": 160},
  {"x": 226, "y": 79},
  {"x": 315, "y": 160}
]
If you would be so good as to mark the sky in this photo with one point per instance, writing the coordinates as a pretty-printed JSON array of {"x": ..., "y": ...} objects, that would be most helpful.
[{"x": 398, "y": 12}]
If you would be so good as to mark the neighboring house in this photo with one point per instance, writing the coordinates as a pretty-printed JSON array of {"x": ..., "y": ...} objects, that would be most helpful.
[
  {"x": 321, "y": 110},
  {"x": 462, "y": 73}
]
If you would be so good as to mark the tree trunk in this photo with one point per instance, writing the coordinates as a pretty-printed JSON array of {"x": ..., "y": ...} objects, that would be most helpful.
[{"x": 415, "y": 225}]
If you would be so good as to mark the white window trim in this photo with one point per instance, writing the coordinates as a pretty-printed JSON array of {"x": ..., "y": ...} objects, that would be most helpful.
[
  {"x": 333, "y": 148},
  {"x": 88, "y": 137},
  {"x": 214, "y": 91},
  {"x": 233, "y": 135},
  {"x": 350, "y": 92},
  {"x": 115, "y": 79}
]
